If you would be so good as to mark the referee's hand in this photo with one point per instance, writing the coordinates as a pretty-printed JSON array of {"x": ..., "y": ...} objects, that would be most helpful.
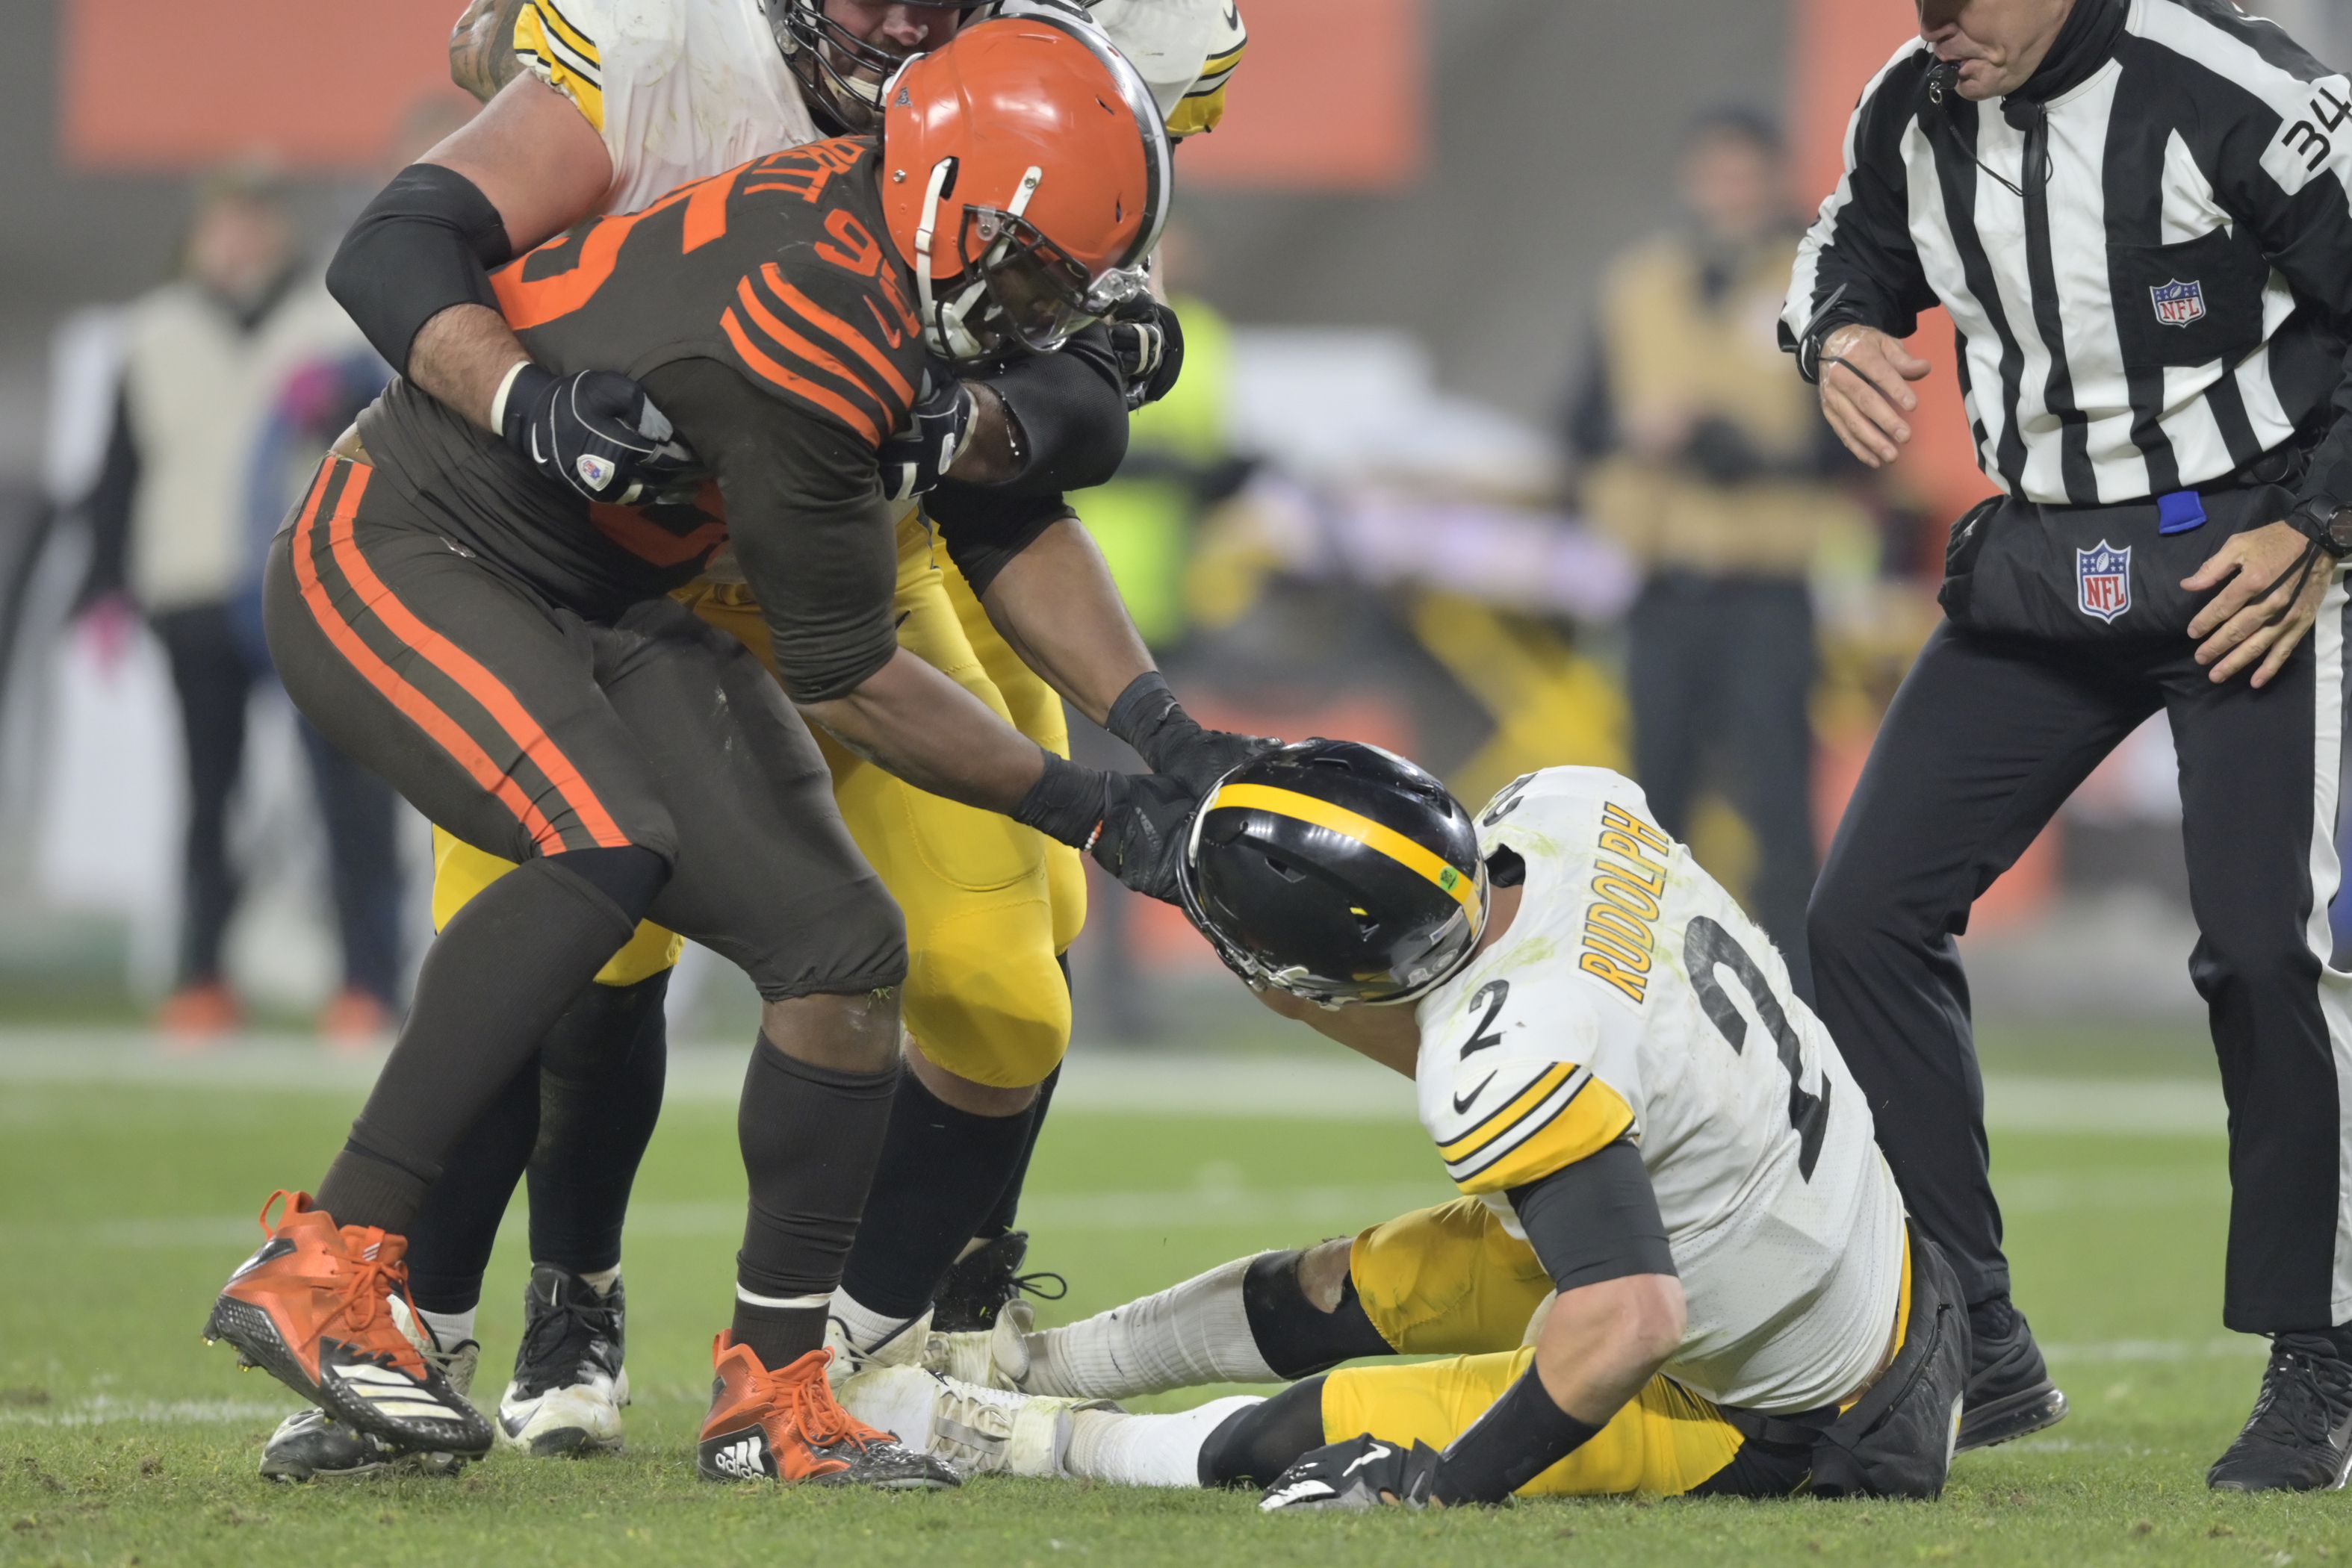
[
  {"x": 2270, "y": 580},
  {"x": 1861, "y": 372}
]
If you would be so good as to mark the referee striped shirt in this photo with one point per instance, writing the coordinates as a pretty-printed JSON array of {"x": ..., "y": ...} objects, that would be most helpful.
[{"x": 2146, "y": 251}]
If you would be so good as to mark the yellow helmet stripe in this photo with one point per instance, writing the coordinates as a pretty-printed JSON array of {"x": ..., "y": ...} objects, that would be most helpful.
[{"x": 1460, "y": 886}]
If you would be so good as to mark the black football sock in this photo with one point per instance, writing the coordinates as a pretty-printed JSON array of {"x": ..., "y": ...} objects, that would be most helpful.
[
  {"x": 601, "y": 1070},
  {"x": 451, "y": 1239},
  {"x": 362, "y": 1184},
  {"x": 943, "y": 1170},
  {"x": 809, "y": 1137},
  {"x": 496, "y": 980},
  {"x": 1251, "y": 1446},
  {"x": 1007, "y": 1208}
]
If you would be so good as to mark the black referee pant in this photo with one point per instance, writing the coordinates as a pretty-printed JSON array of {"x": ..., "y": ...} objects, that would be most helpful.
[{"x": 1983, "y": 743}]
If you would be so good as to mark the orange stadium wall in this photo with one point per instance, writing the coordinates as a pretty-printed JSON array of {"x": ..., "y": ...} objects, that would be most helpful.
[
  {"x": 151, "y": 87},
  {"x": 1840, "y": 45}
]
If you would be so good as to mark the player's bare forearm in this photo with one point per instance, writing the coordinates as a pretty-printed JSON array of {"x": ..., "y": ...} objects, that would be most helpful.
[
  {"x": 1058, "y": 608},
  {"x": 481, "y": 48},
  {"x": 919, "y": 725},
  {"x": 1602, "y": 1343},
  {"x": 990, "y": 455},
  {"x": 461, "y": 355}
]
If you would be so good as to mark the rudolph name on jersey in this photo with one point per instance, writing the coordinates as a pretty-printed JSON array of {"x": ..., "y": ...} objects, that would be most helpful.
[{"x": 1632, "y": 997}]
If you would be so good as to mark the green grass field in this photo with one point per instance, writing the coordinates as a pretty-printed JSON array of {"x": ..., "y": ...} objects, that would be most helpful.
[{"x": 125, "y": 1200}]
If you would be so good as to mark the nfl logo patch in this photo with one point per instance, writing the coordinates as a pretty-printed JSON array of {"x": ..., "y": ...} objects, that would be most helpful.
[
  {"x": 2103, "y": 580},
  {"x": 2176, "y": 303},
  {"x": 596, "y": 471}
]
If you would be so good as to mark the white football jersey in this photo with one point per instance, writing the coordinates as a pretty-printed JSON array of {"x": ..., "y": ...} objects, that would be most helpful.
[
  {"x": 682, "y": 89},
  {"x": 1632, "y": 996},
  {"x": 679, "y": 90}
]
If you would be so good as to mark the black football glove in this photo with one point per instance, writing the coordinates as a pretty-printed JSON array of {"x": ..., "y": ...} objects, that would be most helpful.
[
  {"x": 1147, "y": 717},
  {"x": 1145, "y": 822},
  {"x": 1149, "y": 342},
  {"x": 919, "y": 454},
  {"x": 1133, "y": 825},
  {"x": 1362, "y": 1472},
  {"x": 593, "y": 432}
]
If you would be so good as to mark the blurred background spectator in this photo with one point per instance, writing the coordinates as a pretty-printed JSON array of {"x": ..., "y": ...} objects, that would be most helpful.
[
  {"x": 1708, "y": 463},
  {"x": 234, "y": 377},
  {"x": 1354, "y": 517}
]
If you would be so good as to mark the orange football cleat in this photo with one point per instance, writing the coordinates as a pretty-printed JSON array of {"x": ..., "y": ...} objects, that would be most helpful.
[
  {"x": 354, "y": 1021},
  {"x": 195, "y": 1016},
  {"x": 787, "y": 1425},
  {"x": 313, "y": 1309}
]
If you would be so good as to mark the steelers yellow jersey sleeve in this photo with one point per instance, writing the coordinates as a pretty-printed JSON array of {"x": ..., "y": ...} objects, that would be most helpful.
[
  {"x": 1205, "y": 103},
  {"x": 1522, "y": 1126},
  {"x": 555, "y": 43}
]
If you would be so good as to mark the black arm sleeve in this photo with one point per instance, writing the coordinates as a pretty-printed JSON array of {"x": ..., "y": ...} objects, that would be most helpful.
[
  {"x": 1071, "y": 411},
  {"x": 805, "y": 514},
  {"x": 1071, "y": 408},
  {"x": 983, "y": 528},
  {"x": 426, "y": 243},
  {"x": 107, "y": 507},
  {"x": 1595, "y": 1220}
]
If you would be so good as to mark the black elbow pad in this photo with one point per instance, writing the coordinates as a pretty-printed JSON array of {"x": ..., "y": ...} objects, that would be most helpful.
[
  {"x": 1071, "y": 410},
  {"x": 426, "y": 243}
]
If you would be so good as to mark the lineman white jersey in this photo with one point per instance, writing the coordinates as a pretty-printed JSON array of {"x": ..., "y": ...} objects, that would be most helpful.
[
  {"x": 682, "y": 89},
  {"x": 1632, "y": 996},
  {"x": 679, "y": 90}
]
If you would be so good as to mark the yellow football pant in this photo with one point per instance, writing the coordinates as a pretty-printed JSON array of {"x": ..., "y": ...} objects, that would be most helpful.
[
  {"x": 1666, "y": 1441},
  {"x": 986, "y": 912},
  {"x": 1452, "y": 1281}
]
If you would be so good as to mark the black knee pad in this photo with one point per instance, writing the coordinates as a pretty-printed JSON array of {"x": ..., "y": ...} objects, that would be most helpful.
[{"x": 1297, "y": 1337}]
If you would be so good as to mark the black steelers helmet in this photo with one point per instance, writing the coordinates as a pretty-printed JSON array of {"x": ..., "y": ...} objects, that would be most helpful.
[{"x": 1335, "y": 871}]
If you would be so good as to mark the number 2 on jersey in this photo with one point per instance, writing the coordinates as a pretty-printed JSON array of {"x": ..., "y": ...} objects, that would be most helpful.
[{"x": 1706, "y": 946}]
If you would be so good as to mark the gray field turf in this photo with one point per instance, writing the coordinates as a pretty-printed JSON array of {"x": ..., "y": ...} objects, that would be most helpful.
[{"x": 126, "y": 1188}]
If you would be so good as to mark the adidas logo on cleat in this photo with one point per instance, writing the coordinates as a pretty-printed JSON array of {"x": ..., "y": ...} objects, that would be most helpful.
[{"x": 743, "y": 1460}]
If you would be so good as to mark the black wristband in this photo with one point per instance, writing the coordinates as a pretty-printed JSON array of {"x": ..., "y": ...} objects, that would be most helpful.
[
  {"x": 1068, "y": 802},
  {"x": 427, "y": 243},
  {"x": 1141, "y": 710},
  {"x": 1522, "y": 1435}
]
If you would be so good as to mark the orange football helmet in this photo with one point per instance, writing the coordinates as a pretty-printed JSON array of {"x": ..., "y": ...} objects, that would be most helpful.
[{"x": 1026, "y": 178}]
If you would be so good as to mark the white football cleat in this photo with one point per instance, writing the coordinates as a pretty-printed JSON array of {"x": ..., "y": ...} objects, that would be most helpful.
[
  {"x": 982, "y": 1431},
  {"x": 905, "y": 1346},
  {"x": 988, "y": 1358},
  {"x": 569, "y": 1381}
]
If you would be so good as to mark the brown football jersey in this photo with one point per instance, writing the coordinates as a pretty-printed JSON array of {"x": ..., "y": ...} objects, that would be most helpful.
[{"x": 777, "y": 270}]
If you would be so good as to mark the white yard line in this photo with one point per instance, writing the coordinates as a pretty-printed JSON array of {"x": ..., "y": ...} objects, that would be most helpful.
[
  {"x": 1099, "y": 1079},
  {"x": 102, "y": 1409}
]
